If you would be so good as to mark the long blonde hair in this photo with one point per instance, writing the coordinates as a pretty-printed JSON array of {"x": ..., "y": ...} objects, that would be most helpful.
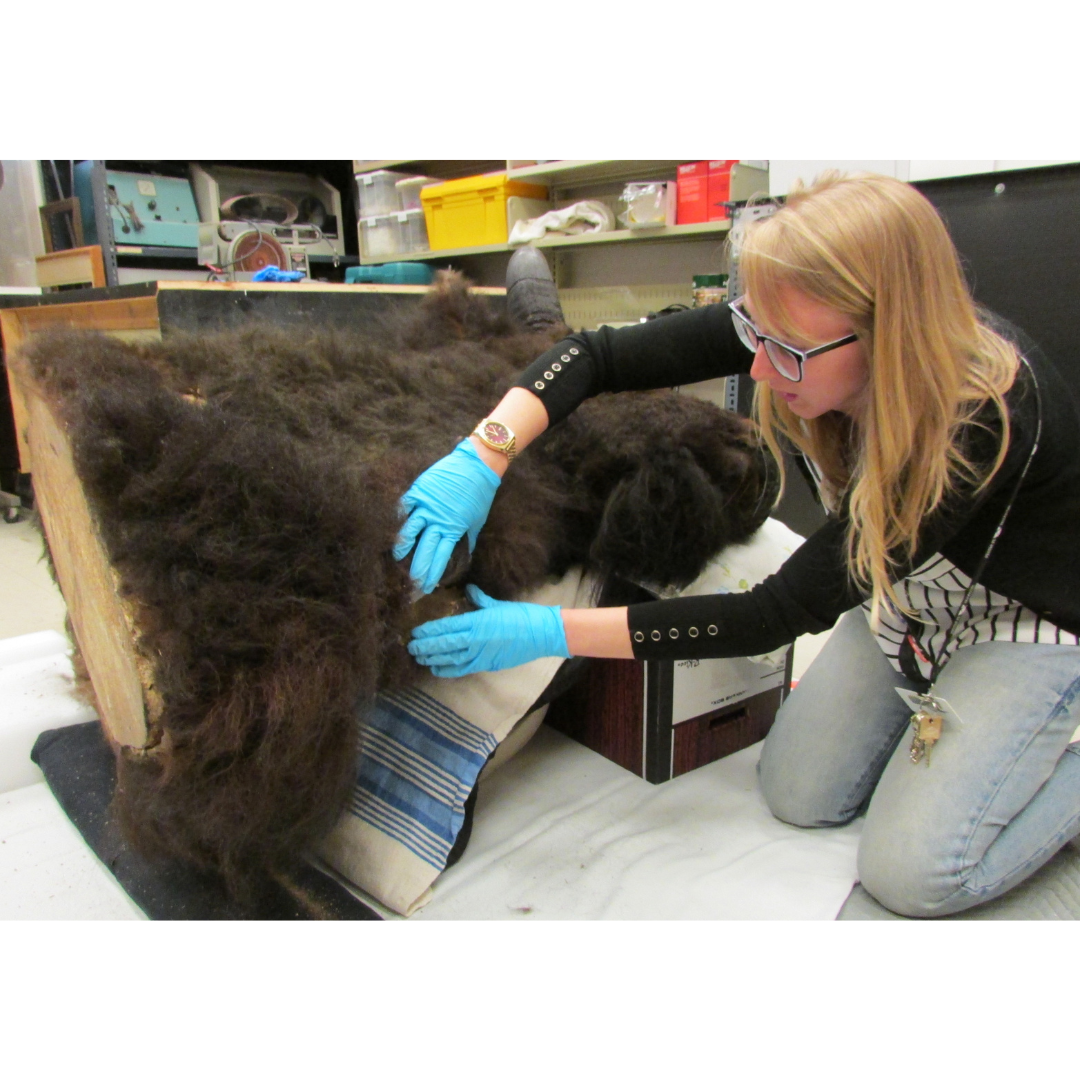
[{"x": 874, "y": 249}]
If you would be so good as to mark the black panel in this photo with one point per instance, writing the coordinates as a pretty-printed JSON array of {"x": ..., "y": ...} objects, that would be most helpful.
[
  {"x": 80, "y": 770},
  {"x": 205, "y": 309},
  {"x": 660, "y": 682},
  {"x": 1021, "y": 250}
]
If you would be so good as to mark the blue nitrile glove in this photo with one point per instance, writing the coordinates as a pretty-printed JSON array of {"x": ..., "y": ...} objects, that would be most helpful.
[
  {"x": 445, "y": 502},
  {"x": 502, "y": 634},
  {"x": 273, "y": 273}
]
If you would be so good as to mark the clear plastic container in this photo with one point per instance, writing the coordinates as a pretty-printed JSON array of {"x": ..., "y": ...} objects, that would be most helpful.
[
  {"x": 412, "y": 230},
  {"x": 386, "y": 235},
  {"x": 378, "y": 194},
  {"x": 409, "y": 191},
  {"x": 379, "y": 236}
]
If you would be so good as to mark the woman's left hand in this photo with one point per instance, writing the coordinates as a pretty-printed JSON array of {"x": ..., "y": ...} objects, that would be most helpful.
[{"x": 501, "y": 634}]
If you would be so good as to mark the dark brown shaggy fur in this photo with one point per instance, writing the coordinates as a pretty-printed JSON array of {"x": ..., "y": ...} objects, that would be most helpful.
[{"x": 246, "y": 485}]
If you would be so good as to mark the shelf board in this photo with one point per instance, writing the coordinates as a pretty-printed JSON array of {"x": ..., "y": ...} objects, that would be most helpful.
[
  {"x": 436, "y": 168},
  {"x": 618, "y": 236},
  {"x": 145, "y": 251},
  {"x": 668, "y": 232},
  {"x": 154, "y": 254},
  {"x": 571, "y": 173}
]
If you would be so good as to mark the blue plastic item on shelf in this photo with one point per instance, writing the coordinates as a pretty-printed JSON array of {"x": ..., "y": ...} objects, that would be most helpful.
[
  {"x": 396, "y": 273},
  {"x": 275, "y": 273}
]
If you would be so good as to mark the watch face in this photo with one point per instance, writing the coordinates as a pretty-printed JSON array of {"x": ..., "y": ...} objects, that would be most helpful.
[{"x": 496, "y": 432}]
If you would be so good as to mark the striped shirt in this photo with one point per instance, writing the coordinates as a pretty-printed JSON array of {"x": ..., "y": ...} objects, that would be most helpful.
[{"x": 935, "y": 592}]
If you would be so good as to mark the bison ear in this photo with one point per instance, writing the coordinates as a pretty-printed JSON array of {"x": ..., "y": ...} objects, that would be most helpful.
[{"x": 531, "y": 297}]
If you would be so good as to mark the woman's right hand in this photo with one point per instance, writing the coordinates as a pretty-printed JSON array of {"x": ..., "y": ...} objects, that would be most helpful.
[{"x": 446, "y": 502}]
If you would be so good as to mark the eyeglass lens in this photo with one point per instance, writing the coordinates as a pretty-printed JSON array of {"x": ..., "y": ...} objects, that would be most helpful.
[{"x": 784, "y": 362}]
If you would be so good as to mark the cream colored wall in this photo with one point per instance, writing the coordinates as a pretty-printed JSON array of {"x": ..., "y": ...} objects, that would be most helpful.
[{"x": 20, "y": 226}]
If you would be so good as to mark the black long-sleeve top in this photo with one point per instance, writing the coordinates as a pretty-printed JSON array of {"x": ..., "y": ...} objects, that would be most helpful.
[{"x": 1035, "y": 560}]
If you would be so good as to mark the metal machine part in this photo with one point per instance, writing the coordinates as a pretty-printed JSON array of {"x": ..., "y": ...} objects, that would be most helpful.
[{"x": 143, "y": 209}]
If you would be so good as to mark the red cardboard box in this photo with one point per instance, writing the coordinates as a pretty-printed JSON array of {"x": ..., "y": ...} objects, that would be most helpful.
[
  {"x": 719, "y": 189},
  {"x": 693, "y": 193}
]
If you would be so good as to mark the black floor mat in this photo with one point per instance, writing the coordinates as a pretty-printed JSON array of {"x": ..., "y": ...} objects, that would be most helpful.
[{"x": 79, "y": 768}]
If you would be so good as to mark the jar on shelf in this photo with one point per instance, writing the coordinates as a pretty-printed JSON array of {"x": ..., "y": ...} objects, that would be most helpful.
[{"x": 710, "y": 289}]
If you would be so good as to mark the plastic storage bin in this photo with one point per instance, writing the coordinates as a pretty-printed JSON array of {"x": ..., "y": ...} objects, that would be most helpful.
[
  {"x": 412, "y": 230},
  {"x": 472, "y": 212},
  {"x": 386, "y": 235},
  {"x": 409, "y": 191},
  {"x": 378, "y": 194},
  {"x": 378, "y": 236}
]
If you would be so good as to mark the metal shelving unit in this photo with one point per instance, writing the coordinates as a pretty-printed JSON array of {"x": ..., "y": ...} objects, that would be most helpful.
[
  {"x": 566, "y": 180},
  {"x": 619, "y": 236},
  {"x": 148, "y": 254},
  {"x": 562, "y": 174},
  {"x": 156, "y": 254}
]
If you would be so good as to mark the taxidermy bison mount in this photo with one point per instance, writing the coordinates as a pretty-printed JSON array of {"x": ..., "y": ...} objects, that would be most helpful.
[{"x": 246, "y": 487}]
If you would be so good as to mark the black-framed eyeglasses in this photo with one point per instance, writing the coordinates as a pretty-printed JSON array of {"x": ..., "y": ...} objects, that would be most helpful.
[{"x": 787, "y": 360}]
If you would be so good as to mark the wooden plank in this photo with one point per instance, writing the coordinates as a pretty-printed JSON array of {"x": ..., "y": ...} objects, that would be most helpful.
[
  {"x": 310, "y": 286},
  {"x": 74, "y": 266},
  {"x": 102, "y": 623},
  {"x": 135, "y": 313},
  {"x": 11, "y": 334}
]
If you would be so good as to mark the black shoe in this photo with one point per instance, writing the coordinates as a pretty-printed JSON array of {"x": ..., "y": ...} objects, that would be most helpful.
[{"x": 531, "y": 296}]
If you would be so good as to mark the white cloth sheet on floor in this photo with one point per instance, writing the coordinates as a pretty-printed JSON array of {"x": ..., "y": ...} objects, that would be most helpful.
[
  {"x": 36, "y": 693},
  {"x": 47, "y": 871},
  {"x": 562, "y": 833}
]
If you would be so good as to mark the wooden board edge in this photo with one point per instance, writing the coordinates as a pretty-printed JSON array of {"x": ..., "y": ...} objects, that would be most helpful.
[{"x": 102, "y": 622}]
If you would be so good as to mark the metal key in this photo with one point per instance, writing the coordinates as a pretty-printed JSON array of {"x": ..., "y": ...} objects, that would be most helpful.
[{"x": 927, "y": 727}]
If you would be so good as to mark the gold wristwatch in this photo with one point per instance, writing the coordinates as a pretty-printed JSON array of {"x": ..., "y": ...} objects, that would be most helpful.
[{"x": 498, "y": 436}]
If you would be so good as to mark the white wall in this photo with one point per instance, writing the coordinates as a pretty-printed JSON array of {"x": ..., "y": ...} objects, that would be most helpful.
[
  {"x": 20, "y": 226},
  {"x": 782, "y": 174}
]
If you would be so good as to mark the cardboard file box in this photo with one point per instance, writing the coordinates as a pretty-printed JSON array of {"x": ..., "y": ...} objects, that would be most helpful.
[{"x": 660, "y": 719}]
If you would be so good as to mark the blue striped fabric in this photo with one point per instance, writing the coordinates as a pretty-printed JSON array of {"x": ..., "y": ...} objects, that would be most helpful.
[{"x": 418, "y": 762}]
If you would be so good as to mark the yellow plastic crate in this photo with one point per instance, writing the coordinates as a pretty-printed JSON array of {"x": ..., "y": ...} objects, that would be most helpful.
[{"x": 471, "y": 212}]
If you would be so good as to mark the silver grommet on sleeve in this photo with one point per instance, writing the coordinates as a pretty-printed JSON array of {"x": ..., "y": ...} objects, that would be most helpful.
[
  {"x": 573, "y": 352},
  {"x": 639, "y": 636},
  {"x": 713, "y": 631},
  {"x": 673, "y": 633},
  {"x": 564, "y": 357},
  {"x": 693, "y": 631},
  {"x": 655, "y": 635},
  {"x": 548, "y": 375},
  {"x": 539, "y": 384},
  {"x": 556, "y": 366}
]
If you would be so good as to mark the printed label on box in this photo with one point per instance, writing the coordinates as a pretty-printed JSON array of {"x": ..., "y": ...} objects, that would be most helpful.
[{"x": 703, "y": 686}]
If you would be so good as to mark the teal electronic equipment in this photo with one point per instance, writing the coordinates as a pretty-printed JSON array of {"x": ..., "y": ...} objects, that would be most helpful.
[{"x": 146, "y": 210}]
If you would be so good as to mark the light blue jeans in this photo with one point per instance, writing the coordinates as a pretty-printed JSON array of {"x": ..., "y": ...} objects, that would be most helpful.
[{"x": 999, "y": 797}]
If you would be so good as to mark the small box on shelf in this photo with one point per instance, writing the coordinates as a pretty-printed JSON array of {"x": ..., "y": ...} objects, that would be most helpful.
[
  {"x": 693, "y": 197},
  {"x": 378, "y": 192},
  {"x": 408, "y": 190},
  {"x": 704, "y": 190},
  {"x": 719, "y": 189},
  {"x": 386, "y": 235}
]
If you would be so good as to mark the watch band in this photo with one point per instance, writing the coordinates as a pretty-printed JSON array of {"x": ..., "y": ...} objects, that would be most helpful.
[{"x": 497, "y": 436}]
